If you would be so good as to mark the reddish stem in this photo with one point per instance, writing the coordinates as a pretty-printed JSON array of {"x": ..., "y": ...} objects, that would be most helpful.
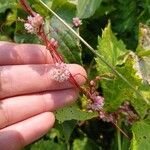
[{"x": 27, "y": 8}]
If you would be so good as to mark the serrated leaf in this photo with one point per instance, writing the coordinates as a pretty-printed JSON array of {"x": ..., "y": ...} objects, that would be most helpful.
[
  {"x": 141, "y": 135},
  {"x": 111, "y": 49},
  {"x": 116, "y": 90},
  {"x": 87, "y": 8},
  {"x": 73, "y": 113}
]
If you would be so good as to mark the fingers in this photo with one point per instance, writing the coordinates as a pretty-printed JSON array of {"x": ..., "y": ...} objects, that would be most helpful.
[
  {"x": 25, "y": 79},
  {"x": 23, "y": 133},
  {"x": 19, "y": 108},
  {"x": 15, "y": 54}
]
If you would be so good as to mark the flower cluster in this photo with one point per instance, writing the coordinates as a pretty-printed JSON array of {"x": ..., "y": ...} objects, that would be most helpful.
[
  {"x": 60, "y": 72},
  {"x": 129, "y": 115},
  {"x": 33, "y": 24},
  {"x": 97, "y": 103},
  {"x": 106, "y": 117},
  {"x": 76, "y": 22}
]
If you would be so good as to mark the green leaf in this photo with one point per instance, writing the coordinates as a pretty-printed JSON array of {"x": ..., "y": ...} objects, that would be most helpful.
[
  {"x": 141, "y": 135},
  {"x": 141, "y": 106},
  {"x": 73, "y": 113},
  {"x": 84, "y": 144},
  {"x": 4, "y": 5},
  {"x": 111, "y": 49},
  {"x": 57, "y": 4},
  {"x": 46, "y": 145},
  {"x": 87, "y": 8},
  {"x": 67, "y": 128},
  {"x": 68, "y": 44},
  {"x": 116, "y": 90}
]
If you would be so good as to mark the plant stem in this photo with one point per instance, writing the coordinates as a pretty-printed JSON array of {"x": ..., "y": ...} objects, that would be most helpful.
[
  {"x": 92, "y": 49},
  {"x": 119, "y": 139}
]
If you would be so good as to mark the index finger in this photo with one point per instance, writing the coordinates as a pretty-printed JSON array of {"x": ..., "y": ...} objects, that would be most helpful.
[{"x": 16, "y": 54}]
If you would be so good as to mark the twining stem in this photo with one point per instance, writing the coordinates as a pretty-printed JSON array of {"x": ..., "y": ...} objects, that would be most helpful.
[{"x": 100, "y": 56}]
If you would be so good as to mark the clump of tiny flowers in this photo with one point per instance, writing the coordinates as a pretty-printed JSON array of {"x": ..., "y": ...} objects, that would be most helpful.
[
  {"x": 96, "y": 102},
  {"x": 60, "y": 72},
  {"x": 106, "y": 117},
  {"x": 76, "y": 22},
  {"x": 34, "y": 23},
  {"x": 129, "y": 115}
]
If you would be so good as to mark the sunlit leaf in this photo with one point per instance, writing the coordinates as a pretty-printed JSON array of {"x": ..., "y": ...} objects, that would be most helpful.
[{"x": 111, "y": 50}]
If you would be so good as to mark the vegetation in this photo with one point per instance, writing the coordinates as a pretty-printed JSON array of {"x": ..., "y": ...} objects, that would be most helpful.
[{"x": 119, "y": 32}]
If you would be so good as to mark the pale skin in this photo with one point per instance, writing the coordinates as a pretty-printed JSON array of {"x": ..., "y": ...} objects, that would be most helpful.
[{"x": 28, "y": 96}]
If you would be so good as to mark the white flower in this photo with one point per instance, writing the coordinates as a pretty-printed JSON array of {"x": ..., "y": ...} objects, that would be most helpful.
[{"x": 60, "y": 72}]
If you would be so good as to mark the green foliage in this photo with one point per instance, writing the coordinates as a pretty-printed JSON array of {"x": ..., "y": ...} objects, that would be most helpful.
[
  {"x": 46, "y": 145},
  {"x": 73, "y": 113},
  {"x": 84, "y": 144},
  {"x": 111, "y": 49},
  {"x": 115, "y": 90},
  {"x": 141, "y": 135},
  {"x": 73, "y": 128},
  {"x": 86, "y": 8},
  {"x": 68, "y": 44},
  {"x": 9, "y": 4}
]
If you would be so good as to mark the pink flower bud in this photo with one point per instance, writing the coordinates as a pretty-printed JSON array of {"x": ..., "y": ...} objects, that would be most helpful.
[
  {"x": 92, "y": 83},
  {"x": 33, "y": 23},
  {"x": 53, "y": 43},
  {"x": 29, "y": 28},
  {"x": 77, "y": 22},
  {"x": 99, "y": 100}
]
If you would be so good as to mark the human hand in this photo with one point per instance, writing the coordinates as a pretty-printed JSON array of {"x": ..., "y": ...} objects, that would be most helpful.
[{"x": 28, "y": 96}]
